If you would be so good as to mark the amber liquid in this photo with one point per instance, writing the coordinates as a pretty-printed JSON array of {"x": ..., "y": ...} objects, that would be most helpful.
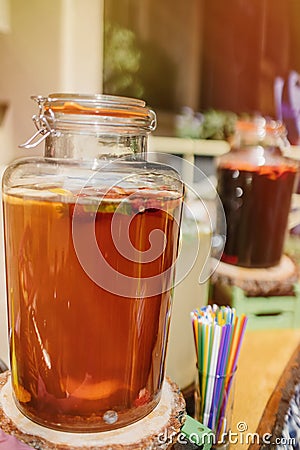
[
  {"x": 256, "y": 205},
  {"x": 79, "y": 351}
]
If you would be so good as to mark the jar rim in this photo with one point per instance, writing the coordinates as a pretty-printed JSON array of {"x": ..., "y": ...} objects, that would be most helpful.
[
  {"x": 63, "y": 109},
  {"x": 94, "y": 99}
]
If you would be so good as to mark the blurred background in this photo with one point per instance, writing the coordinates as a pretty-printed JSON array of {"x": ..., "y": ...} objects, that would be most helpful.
[
  {"x": 240, "y": 56},
  {"x": 198, "y": 63}
]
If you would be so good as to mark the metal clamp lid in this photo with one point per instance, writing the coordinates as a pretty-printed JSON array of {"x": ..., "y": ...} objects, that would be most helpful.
[{"x": 64, "y": 111}]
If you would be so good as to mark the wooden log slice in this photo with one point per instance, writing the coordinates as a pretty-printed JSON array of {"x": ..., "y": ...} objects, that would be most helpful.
[
  {"x": 158, "y": 430},
  {"x": 276, "y": 280}
]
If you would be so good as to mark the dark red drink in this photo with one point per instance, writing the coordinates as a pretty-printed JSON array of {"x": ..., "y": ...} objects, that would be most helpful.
[{"x": 256, "y": 202}]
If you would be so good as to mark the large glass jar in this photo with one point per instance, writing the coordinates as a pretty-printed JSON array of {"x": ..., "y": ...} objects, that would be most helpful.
[
  {"x": 255, "y": 185},
  {"x": 91, "y": 236}
]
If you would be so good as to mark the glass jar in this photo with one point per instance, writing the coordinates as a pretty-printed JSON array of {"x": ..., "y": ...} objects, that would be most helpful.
[
  {"x": 91, "y": 237},
  {"x": 255, "y": 185}
]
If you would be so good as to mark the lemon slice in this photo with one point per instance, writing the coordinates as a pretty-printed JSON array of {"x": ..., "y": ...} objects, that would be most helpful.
[{"x": 61, "y": 191}]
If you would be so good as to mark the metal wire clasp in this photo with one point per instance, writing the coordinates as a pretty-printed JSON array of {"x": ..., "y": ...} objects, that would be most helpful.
[{"x": 41, "y": 123}]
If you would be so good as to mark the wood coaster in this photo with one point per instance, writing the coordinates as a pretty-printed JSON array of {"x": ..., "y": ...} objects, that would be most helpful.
[
  {"x": 278, "y": 280},
  {"x": 158, "y": 430}
]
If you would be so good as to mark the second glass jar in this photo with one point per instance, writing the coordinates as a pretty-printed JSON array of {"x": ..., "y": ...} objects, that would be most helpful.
[{"x": 255, "y": 185}]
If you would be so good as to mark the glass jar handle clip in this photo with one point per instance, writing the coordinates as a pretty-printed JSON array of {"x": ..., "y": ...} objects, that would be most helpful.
[{"x": 41, "y": 123}]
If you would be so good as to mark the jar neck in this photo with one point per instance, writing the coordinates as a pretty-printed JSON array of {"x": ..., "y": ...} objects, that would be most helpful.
[
  {"x": 260, "y": 132},
  {"x": 241, "y": 141},
  {"x": 82, "y": 146}
]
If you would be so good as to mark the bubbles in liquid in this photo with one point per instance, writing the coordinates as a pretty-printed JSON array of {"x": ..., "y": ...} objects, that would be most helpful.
[{"x": 110, "y": 416}]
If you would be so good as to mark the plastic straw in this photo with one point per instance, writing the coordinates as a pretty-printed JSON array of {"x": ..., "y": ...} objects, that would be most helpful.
[{"x": 218, "y": 335}]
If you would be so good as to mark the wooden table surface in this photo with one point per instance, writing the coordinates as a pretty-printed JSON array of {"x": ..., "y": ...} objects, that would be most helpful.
[{"x": 264, "y": 355}]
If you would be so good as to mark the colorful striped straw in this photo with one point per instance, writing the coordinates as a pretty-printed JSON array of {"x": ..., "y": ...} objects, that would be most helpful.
[{"x": 218, "y": 335}]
